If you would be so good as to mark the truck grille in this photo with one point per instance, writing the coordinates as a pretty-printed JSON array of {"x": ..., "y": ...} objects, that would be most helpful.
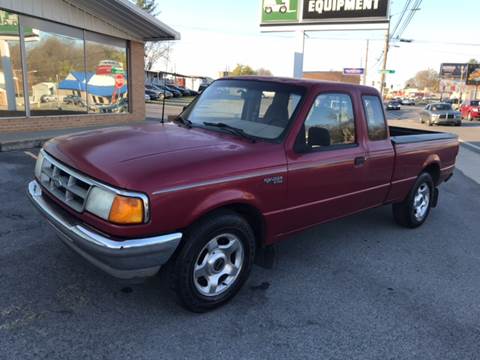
[{"x": 64, "y": 184}]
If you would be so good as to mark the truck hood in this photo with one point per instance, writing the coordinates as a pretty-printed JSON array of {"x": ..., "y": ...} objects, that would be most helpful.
[{"x": 151, "y": 157}]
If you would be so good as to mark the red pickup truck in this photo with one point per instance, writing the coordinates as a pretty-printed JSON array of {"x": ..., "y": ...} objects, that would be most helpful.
[{"x": 251, "y": 161}]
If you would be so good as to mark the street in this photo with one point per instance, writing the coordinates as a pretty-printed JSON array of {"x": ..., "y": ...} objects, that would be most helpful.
[
  {"x": 357, "y": 288},
  {"x": 408, "y": 116}
]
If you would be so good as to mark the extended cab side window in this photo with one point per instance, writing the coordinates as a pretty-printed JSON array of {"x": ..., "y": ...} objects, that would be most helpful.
[
  {"x": 376, "y": 125},
  {"x": 330, "y": 122}
]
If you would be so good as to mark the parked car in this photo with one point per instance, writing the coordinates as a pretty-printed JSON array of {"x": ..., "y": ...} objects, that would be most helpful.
[
  {"x": 202, "y": 88},
  {"x": 183, "y": 92},
  {"x": 393, "y": 105},
  {"x": 48, "y": 98},
  {"x": 189, "y": 91},
  {"x": 74, "y": 100},
  {"x": 221, "y": 184},
  {"x": 440, "y": 114},
  {"x": 118, "y": 107},
  {"x": 154, "y": 94},
  {"x": 408, "y": 102},
  {"x": 470, "y": 110},
  {"x": 175, "y": 92},
  {"x": 159, "y": 91}
]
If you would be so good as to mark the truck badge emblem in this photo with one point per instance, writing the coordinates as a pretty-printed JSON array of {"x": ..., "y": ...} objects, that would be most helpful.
[{"x": 274, "y": 180}]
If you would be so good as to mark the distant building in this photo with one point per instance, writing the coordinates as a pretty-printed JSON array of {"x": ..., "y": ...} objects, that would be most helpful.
[{"x": 336, "y": 76}]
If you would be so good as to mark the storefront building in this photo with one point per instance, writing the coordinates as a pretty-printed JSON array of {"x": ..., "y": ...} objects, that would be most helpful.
[{"x": 67, "y": 64}]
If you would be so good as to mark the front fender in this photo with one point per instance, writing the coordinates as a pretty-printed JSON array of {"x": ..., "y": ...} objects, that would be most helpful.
[{"x": 224, "y": 198}]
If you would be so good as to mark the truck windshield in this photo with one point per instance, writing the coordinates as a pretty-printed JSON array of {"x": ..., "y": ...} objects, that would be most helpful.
[{"x": 258, "y": 108}]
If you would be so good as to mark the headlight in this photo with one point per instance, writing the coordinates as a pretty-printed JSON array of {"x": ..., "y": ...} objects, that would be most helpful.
[
  {"x": 115, "y": 208},
  {"x": 38, "y": 166}
]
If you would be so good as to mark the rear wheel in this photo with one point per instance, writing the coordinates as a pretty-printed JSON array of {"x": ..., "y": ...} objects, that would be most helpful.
[
  {"x": 268, "y": 10},
  {"x": 215, "y": 261},
  {"x": 414, "y": 210}
]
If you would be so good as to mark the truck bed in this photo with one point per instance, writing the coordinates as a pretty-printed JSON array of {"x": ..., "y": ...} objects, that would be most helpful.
[{"x": 400, "y": 135}]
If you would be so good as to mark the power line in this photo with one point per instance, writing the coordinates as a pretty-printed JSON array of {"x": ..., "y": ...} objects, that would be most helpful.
[
  {"x": 403, "y": 12},
  {"x": 408, "y": 20}
]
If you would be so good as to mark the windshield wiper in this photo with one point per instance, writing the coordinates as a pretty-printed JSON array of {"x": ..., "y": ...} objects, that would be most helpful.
[
  {"x": 185, "y": 122},
  {"x": 232, "y": 129}
]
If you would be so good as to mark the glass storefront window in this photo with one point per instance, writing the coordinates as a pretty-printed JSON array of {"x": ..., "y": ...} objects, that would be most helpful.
[
  {"x": 56, "y": 68},
  {"x": 67, "y": 70},
  {"x": 11, "y": 76},
  {"x": 106, "y": 68}
]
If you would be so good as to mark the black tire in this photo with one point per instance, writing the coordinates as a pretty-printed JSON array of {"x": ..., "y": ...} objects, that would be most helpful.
[
  {"x": 430, "y": 122},
  {"x": 283, "y": 9},
  {"x": 196, "y": 238},
  {"x": 404, "y": 212},
  {"x": 268, "y": 10},
  {"x": 470, "y": 117}
]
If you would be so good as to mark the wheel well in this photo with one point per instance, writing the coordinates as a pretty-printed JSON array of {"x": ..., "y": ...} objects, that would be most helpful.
[
  {"x": 434, "y": 171},
  {"x": 253, "y": 217}
]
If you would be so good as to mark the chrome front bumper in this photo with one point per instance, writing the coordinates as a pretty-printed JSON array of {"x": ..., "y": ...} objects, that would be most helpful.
[{"x": 125, "y": 259}]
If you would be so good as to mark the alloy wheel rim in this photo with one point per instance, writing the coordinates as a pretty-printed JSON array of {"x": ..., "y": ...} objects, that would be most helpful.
[
  {"x": 421, "y": 202},
  {"x": 218, "y": 265}
]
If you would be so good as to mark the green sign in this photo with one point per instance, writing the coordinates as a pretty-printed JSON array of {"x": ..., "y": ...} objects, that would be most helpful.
[
  {"x": 278, "y": 11},
  {"x": 117, "y": 70},
  {"x": 387, "y": 71}
]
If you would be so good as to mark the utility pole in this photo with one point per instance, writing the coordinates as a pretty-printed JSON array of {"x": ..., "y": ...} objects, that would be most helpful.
[
  {"x": 298, "y": 56},
  {"x": 366, "y": 64},
  {"x": 385, "y": 58}
]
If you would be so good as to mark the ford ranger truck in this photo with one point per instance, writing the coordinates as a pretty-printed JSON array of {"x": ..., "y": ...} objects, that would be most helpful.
[{"x": 250, "y": 162}]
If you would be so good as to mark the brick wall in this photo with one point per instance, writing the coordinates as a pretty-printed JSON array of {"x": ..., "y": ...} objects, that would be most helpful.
[{"x": 137, "y": 105}]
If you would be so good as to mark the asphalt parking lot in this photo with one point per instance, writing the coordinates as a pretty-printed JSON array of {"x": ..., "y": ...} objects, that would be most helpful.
[{"x": 359, "y": 288}]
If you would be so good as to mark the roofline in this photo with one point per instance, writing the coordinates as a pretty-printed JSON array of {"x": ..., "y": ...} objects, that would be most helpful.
[{"x": 175, "y": 35}]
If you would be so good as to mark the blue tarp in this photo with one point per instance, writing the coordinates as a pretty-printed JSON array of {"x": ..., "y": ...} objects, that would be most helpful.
[{"x": 80, "y": 85}]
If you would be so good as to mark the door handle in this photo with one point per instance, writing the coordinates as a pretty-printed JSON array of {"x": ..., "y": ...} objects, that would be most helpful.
[{"x": 359, "y": 161}]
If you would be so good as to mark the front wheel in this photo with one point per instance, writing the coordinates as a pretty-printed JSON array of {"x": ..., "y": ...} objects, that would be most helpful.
[
  {"x": 414, "y": 210},
  {"x": 215, "y": 261},
  {"x": 470, "y": 117}
]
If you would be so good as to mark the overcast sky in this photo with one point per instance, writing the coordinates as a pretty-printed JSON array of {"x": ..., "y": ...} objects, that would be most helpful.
[{"x": 218, "y": 34}]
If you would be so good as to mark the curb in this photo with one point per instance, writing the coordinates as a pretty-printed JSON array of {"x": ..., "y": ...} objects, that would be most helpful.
[
  {"x": 22, "y": 144},
  {"x": 470, "y": 146}
]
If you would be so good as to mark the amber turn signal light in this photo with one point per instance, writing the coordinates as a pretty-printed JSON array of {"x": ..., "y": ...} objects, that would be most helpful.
[{"x": 126, "y": 210}]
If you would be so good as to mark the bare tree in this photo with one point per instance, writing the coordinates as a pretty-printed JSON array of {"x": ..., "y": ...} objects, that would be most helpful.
[
  {"x": 264, "y": 72},
  {"x": 155, "y": 51},
  {"x": 425, "y": 79}
]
